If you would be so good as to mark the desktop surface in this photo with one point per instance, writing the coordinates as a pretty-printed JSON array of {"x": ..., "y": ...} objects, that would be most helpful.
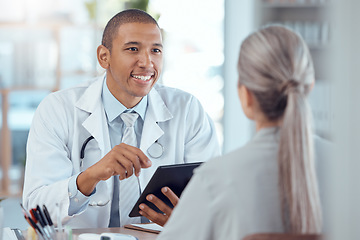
[{"x": 141, "y": 235}]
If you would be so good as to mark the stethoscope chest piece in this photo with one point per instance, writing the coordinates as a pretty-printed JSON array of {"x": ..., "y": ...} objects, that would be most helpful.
[{"x": 156, "y": 150}]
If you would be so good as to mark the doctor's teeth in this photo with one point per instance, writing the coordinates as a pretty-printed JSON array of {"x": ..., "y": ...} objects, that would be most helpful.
[{"x": 143, "y": 78}]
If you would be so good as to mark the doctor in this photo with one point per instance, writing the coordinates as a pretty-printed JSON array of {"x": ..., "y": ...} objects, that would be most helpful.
[{"x": 75, "y": 153}]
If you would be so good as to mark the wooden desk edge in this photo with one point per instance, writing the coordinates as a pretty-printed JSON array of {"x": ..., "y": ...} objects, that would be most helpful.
[
  {"x": 141, "y": 235},
  {"x": 141, "y": 229}
]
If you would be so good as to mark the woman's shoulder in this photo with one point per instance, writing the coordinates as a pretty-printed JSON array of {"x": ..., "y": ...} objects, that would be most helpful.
[
  {"x": 239, "y": 156},
  {"x": 241, "y": 165},
  {"x": 260, "y": 150}
]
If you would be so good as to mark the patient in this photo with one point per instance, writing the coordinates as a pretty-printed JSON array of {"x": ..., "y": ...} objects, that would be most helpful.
[{"x": 270, "y": 184}]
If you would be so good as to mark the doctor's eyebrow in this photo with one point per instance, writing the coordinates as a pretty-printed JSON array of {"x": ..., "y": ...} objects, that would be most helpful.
[
  {"x": 139, "y": 44},
  {"x": 158, "y": 45},
  {"x": 132, "y": 43}
]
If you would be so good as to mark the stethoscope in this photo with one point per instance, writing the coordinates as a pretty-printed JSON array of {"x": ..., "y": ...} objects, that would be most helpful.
[{"x": 156, "y": 150}]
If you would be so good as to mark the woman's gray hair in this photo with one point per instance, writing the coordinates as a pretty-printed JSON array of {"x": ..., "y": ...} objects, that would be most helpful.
[{"x": 276, "y": 66}]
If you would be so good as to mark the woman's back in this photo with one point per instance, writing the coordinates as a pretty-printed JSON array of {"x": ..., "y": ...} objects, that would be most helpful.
[{"x": 235, "y": 195}]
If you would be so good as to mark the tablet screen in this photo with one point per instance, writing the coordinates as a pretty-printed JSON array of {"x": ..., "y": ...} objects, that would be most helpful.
[{"x": 176, "y": 177}]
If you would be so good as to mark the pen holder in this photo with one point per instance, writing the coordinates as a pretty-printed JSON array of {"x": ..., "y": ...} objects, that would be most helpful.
[{"x": 64, "y": 235}]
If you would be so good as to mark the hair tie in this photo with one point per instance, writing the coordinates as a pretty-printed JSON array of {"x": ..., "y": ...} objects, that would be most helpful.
[{"x": 291, "y": 86}]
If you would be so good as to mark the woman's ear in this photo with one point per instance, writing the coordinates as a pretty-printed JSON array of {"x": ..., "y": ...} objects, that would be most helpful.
[
  {"x": 247, "y": 101},
  {"x": 103, "y": 56}
]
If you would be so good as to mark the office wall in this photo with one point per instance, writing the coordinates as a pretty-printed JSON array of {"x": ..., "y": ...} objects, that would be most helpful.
[
  {"x": 342, "y": 209},
  {"x": 238, "y": 24}
]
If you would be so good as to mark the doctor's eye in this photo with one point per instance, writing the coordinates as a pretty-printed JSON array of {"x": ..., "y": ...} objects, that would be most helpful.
[
  {"x": 132, "y": 49},
  {"x": 156, "y": 50}
]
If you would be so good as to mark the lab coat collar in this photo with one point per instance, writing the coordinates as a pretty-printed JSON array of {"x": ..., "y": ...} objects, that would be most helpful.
[
  {"x": 95, "y": 123},
  {"x": 113, "y": 108},
  {"x": 156, "y": 112},
  {"x": 158, "y": 108},
  {"x": 91, "y": 98}
]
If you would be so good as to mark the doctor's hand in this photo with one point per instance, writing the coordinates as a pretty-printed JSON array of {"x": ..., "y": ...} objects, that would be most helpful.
[
  {"x": 159, "y": 218},
  {"x": 123, "y": 160}
]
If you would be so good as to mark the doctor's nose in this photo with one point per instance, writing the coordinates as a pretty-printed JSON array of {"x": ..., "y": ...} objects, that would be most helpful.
[{"x": 145, "y": 60}]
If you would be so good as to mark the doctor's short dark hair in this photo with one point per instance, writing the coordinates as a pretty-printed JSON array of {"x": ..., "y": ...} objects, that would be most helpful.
[{"x": 126, "y": 16}]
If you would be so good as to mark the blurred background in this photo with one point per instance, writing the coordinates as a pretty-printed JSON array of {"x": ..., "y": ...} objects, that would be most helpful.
[{"x": 48, "y": 45}]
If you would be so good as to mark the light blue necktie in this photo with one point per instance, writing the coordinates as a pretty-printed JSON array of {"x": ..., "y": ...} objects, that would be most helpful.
[{"x": 130, "y": 187}]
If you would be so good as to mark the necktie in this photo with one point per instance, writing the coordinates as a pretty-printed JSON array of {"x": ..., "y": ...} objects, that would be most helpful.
[
  {"x": 129, "y": 188},
  {"x": 129, "y": 136}
]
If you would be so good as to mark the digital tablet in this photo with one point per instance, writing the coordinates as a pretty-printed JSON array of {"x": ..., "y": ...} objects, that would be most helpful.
[{"x": 176, "y": 177}]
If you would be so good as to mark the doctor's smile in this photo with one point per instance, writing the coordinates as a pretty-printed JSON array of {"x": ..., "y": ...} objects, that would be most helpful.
[{"x": 142, "y": 78}]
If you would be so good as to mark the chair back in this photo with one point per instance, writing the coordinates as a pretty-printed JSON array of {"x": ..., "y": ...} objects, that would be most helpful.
[{"x": 283, "y": 236}]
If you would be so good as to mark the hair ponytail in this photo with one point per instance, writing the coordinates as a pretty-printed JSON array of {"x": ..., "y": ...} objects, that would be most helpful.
[
  {"x": 275, "y": 64},
  {"x": 297, "y": 177}
]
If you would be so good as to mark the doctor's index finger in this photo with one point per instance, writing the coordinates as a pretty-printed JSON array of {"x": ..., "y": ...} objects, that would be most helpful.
[{"x": 143, "y": 159}]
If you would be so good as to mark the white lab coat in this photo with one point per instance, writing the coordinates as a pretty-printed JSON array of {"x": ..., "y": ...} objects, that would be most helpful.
[{"x": 65, "y": 119}]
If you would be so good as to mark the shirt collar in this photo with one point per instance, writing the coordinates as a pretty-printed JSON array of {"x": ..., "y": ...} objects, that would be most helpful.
[{"x": 114, "y": 108}]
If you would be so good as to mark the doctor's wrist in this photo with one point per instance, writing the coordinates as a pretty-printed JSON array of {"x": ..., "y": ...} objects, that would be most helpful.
[{"x": 85, "y": 183}]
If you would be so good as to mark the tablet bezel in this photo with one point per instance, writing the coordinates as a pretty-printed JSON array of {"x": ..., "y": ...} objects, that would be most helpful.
[{"x": 175, "y": 176}]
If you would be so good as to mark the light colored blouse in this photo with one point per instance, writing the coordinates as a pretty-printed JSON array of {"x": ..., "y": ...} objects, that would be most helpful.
[{"x": 234, "y": 195}]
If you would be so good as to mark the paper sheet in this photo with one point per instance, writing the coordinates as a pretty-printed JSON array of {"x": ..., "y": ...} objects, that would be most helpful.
[{"x": 150, "y": 226}]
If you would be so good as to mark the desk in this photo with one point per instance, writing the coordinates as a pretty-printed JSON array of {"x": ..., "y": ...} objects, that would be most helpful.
[{"x": 139, "y": 234}]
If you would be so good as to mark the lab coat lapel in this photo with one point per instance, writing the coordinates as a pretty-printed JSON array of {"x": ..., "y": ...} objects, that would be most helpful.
[
  {"x": 96, "y": 123},
  {"x": 156, "y": 112}
]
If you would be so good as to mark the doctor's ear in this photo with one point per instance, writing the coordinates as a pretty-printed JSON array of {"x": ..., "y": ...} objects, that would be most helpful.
[{"x": 103, "y": 56}]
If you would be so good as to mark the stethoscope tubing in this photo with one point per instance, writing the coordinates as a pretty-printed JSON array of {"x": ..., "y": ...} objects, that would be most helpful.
[{"x": 82, "y": 151}]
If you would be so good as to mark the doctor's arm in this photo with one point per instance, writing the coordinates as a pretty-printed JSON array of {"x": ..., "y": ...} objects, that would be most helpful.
[
  {"x": 201, "y": 142},
  {"x": 123, "y": 160},
  {"x": 48, "y": 166}
]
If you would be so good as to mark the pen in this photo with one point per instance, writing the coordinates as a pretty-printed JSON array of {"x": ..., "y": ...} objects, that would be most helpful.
[
  {"x": 24, "y": 211},
  {"x": 35, "y": 227},
  {"x": 48, "y": 218},
  {"x": 32, "y": 215},
  {"x": 40, "y": 224},
  {"x": 31, "y": 222},
  {"x": 43, "y": 222}
]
